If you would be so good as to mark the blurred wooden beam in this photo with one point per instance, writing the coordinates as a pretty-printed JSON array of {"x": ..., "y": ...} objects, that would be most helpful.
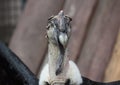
[
  {"x": 100, "y": 39},
  {"x": 113, "y": 70},
  {"x": 81, "y": 12},
  {"x": 28, "y": 41}
]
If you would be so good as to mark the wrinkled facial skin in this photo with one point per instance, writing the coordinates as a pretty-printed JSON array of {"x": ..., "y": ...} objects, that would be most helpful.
[{"x": 59, "y": 28}]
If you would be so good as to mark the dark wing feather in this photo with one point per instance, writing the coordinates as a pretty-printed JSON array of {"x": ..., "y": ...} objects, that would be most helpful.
[{"x": 12, "y": 70}]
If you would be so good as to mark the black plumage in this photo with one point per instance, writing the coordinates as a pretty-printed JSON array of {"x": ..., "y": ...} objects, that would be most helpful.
[{"x": 14, "y": 72}]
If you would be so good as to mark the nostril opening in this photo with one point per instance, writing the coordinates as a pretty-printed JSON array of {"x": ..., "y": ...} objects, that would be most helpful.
[{"x": 63, "y": 31}]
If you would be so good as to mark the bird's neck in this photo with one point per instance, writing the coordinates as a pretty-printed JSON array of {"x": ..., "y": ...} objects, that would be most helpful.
[{"x": 53, "y": 54}]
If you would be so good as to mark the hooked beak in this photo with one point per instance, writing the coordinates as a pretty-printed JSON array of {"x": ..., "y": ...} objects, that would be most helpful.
[{"x": 63, "y": 39}]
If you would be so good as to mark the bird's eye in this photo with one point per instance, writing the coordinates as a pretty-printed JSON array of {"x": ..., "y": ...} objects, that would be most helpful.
[
  {"x": 52, "y": 24},
  {"x": 68, "y": 19},
  {"x": 49, "y": 25}
]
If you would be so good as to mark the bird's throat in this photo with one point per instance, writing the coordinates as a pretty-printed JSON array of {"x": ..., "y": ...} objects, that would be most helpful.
[
  {"x": 55, "y": 62},
  {"x": 59, "y": 63}
]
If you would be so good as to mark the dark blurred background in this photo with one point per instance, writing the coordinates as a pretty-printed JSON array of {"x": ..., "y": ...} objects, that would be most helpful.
[{"x": 94, "y": 44}]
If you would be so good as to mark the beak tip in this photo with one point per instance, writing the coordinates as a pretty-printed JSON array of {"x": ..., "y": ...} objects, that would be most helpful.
[
  {"x": 58, "y": 71},
  {"x": 63, "y": 40}
]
